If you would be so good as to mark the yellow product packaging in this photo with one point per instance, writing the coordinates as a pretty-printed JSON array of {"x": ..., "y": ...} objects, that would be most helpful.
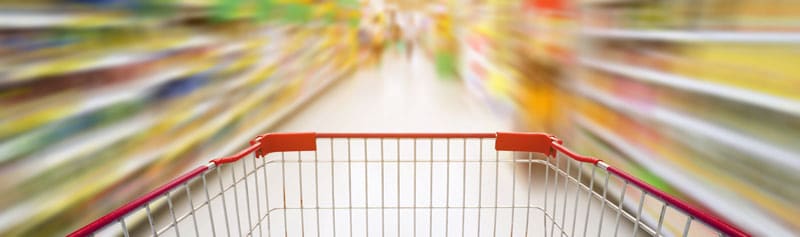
[
  {"x": 539, "y": 104},
  {"x": 769, "y": 69},
  {"x": 593, "y": 111}
]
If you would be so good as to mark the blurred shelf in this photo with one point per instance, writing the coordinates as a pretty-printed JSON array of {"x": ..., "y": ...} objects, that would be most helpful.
[
  {"x": 188, "y": 87},
  {"x": 775, "y": 103},
  {"x": 193, "y": 3},
  {"x": 36, "y": 18},
  {"x": 478, "y": 83},
  {"x": 130, "y": 90},
  {"x": 240, "y": 139},
  {"x": 726, "y": 151},
  {"x": 601, "y": 2},
  {"x": 94, "y": 140},
  {"x": 112, "y": 58},
  {"x": 129, "y": 163},
  {"x": 82, "y": 16},
  {"x": 691, "y": 185},
  {"x": 473, "y": 55},
  {"x": 67, "y": 151},
  {"x": 136, "y": 89},
  {"x": 695, "y": 36},
  {"x": 721, "y": 135}
]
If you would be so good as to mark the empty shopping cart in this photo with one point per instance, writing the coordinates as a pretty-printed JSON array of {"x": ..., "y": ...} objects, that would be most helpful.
[{"x": 349, "y": 184}]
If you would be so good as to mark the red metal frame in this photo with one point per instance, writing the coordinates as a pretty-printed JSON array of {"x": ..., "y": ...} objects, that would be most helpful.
[
  {"x": 127, "y": 208},
  {"x": 506, "y": 141},
  {"x": 705, "y": 217},
  {"x": 406, "y": 135},
  {"x": 573, "y": 155}
]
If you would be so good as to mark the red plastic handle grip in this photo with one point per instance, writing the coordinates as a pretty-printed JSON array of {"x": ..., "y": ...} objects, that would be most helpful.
[
  {"x": 506, "y": 141},
  {"x": 275, "y": 142},
  {"x": 536, "y": 142},
  {"x": 528, "y": 142}
]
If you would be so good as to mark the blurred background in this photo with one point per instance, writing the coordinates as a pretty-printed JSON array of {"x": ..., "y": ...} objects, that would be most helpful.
[{"x": 102, "y": 100}]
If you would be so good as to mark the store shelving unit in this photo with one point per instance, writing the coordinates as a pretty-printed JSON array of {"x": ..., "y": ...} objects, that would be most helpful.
[
  {"x": 631, "y": 70},
  {"x": 684, "y": 123},
  {"x": 741, "y": 95},
  {"x": 686, "y": 182},
  {"x": 105, "y": 94}
]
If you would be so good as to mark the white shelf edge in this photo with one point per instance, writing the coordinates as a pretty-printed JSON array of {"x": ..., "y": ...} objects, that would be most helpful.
[
  {"x": 695, "y": 36},
  {"x": 37, "y": 19},
  {"x": 31, "y": 71},
  {"x": 775, "y": 103},
  {"x": 724, "y": 136}
]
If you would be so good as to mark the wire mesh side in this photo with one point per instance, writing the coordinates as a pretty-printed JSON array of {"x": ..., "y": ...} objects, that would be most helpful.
[
  {"x": 609, "y": 205},
  {"x": 403, "y": 187},
  {"x": 227, "y": 200}
]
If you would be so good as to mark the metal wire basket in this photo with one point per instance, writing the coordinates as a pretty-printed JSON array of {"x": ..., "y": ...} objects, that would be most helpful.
[{"x": 314, "y": 184}]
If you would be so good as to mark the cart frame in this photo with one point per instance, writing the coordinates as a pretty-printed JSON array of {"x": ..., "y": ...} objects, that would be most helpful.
[{"x": 549, "y": 146}]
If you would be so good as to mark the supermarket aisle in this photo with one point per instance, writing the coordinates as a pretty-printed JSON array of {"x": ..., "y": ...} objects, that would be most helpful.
[
  {"x": 400, "y": 95},
  {"x": 405, "y": 95}
]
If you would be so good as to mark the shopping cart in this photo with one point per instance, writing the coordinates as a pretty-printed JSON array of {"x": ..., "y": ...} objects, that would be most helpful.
[{"x": 339, "y": 184}]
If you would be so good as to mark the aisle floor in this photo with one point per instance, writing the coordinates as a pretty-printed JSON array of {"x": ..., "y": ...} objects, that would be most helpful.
[{"x": 400, "y": 95}]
